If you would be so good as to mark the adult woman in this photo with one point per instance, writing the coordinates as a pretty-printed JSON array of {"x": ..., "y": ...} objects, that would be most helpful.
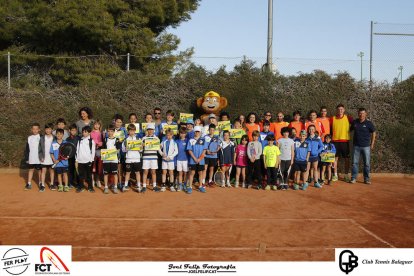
[
  {"x": 85, "y": 115},
  {"x": 252, "y": 124}
]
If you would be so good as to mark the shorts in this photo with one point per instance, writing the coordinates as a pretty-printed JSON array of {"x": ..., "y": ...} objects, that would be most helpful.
[
  {"x": 210, "y": 162},
  {"x": 168, "y": 165},
  {"x": 37, "y": 167},
  {"x": 133, "y": 167},
  {"x": 300, "y": 166},
  {"x": 241, "y": 167},
  {"x": 61, "y": 170},
  {"x": 226, "y": 165},
  {"x": 110, "y": 168},
  {"x": 313, "y": 159},
  {"x": 342, "y": 149},
  {"x": 150, "y": 164},
  {"x": 325, "y": 164},
  {"x": 182, "y": 166},
  {"x": 46, "y": 166},
  {"x": 197, "y": 167}
]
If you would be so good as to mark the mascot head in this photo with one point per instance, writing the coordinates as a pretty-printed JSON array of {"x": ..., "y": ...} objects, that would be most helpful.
[{"x": 212, "y": 102}]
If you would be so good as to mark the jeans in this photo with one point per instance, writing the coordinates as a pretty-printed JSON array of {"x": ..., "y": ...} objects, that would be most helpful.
[{"x": 366, "y": 157}]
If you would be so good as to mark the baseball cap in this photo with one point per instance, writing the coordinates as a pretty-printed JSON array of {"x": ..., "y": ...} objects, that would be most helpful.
[
  {"x": 303, "y": 132},
  {"x": 190, "y": 121},
  {"x": 197, "y": 128},
  {"x": 151, "y": 126},
  {"x": 212, "y": 115}
]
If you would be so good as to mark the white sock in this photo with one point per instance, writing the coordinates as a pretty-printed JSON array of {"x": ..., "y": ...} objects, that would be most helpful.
[
  {"x": 203, "y": 181},
  {"x": 126, "y": 183},
  {"x": 144, "y": 185},
  {"x": 154, "y": 184},
  {"x": 210, "y": 180},
  {"x": 30, "y": 183},
  {"x": 336, "y": 174},
  {"x": 139, "y": 184}
]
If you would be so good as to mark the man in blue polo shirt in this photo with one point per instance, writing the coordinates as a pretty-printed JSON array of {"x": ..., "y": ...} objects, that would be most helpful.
[{"x": 364, "y": 140}]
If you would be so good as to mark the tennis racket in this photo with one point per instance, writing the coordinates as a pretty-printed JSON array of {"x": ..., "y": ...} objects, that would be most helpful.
[
  {"x": 66, "y": 151},
  {"x": 219, "y": 177}
]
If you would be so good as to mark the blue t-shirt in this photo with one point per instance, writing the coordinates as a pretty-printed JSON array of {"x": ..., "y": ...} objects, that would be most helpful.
[
  {"x": 197, "y": 147},
  {"x": 315, "y": 145},
  {"x": 190, "y": 135},
  {"x": 54, "y": 149},
  {"x": 301, "y": 150},
  {"x": 362, "y": 132},
  {"x": 182, "y": 150},
  {"x": 262, "y": 138},
  {"x": 212, "y": 144}
]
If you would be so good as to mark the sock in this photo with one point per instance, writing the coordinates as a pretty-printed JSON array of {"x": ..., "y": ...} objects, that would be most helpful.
[
  {"x": 139, "y": 184},
  {"x": 126, "y": 183},
  {"x": 203, "y": 181},
  {"x": 210, "y": 180},
  {"x": 154, "y": 184},
  {"x": 336, "y": 174},
  {"x": 30, "y": 183},
  {"x": 144, "y": 185}
]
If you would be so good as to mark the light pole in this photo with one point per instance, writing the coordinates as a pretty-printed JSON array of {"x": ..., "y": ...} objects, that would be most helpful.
[
  {"x": 269, "y": 62},
  {"x": 401, "y": 69},
  {"x": 361, "y": 55}
]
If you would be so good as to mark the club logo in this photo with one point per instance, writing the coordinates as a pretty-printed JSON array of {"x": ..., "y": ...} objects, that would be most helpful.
[
  {"x": 15, "y": 261},
  {"x": 50, "y": 262},
  {"x": 347, "y": 261}
]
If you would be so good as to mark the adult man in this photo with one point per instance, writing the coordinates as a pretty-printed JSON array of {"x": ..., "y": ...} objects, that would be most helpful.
[
  {"x": 157, "y": 121},
  {"x": 324, "y": 120},
  {"x": 364, "y": 140},
  {"x": 278, "y": 125},
  {"x": 340, "y": 128}
]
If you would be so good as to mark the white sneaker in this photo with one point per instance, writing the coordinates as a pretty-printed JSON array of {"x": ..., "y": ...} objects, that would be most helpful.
[
  {"x": 236, "y": 185},
  {"x": 223, "y": 185},
  {"x": 98, "y": 184},
  {"x": 228, "y": 184},
  {"x": 163, "y": 189},
  {"x": 244, "y": 185},
  {"x": 172, "y": 189}
]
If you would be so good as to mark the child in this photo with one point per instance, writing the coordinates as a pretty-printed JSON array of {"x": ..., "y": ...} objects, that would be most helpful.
[
  {"x": 190, "y": 129},
  {"x": 302, "y": 153},
  {"x": 168, "y": 152},
  {"x": 254, "y": 152},
  {"x": 32, "y": 157},
  {"x": 296, "y": 123},
  {"x": 150, "y": 159},
  {"x": 120, "y": 134},
  {"x": 266, "y": 131},
  {"x": 168, "y": 122},
  {"x": 44, "y": 156},
  {"x": 196, "y": 149},
  {"x": 240, "y": 159},
  {"x": 293, "y": 135},
  {"x": 271, "y": 161},
  {"x": 213, "y": 146},
  {"x": 61, "y": 168},
  {"x": 324, "y": 120},
  {"x": 85, "y": 154},
  {"x": 316, "y": 147},
  {"x": 238, "y": 125},
  {"x": 132, "y": 159},
  {"x": 96, "y": 136},
  {"x": 111, "y": 166},
  {"x": 226, "y": 157},
  {"x": 182, "y": 160},
  {"x": 61, "y": 124},
  {"x": 287, "y": 155},
  {"x": 328, "y": 147},
  {"x": 72, "y": 174},
  {"x": 312, "y": 121}
]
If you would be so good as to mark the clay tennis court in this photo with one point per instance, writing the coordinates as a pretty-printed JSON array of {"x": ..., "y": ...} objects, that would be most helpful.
[{"x": 222, "y": 225}]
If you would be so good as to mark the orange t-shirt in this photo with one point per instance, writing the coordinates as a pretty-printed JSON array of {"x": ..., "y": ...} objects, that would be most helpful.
[
  {"x": 250, "y": 129},
  {"x": 298, "y": 126},
  {"x": 277, "y": 128},
  {"x": 318, "y": 125},
  {"x": 326, "y": 124}
]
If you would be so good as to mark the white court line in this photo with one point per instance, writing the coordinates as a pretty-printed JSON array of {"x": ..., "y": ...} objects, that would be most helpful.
[
  {"x": 372, "y": 234},
  {"x": 176, "y": 219},
  {"x": 202, "y": 248}
]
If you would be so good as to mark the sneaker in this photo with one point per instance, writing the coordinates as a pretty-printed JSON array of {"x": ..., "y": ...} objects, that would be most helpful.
[
  {"x": 285, "y": 187},
  {"x": 60, "y": 188},
  {"x": 52, "y": 187},
  {"x": 228, "y": 185},
  {"x": 244, "y": 186},
  {"x": 346, "y": 178},
  {"x": 249, "y": 186},
  {"x": 368, "y": 182},
  {"x": 172, "y": 189},
  {"x": 223, "y": 185},
  {"x": 304, "y": 186},
  {"x": 125, "y": 188},
  {"x": 91, "y": 190},
  {"x": 189, "y": 190},
  {"x": 106, "y": 190},
  {"x": 163, "y": 189},
  {"x": 259, "y": 187},
  {"x": 98, "y": 184},
  {"x": 310, "y": 180},
  {"x": 202, "y": 189},
  {"x": 71, "y": 186},
  {"x": 274, "y": 188},
  {"x": 80, "y": 190},
  {"x": 334, "y": 178},
  {"x": 353, "y": 181},
  {"x": 42, "y": 189},
  {"x": 267, "y": 188},
  {"x": 295, "y": 187},
  {"x": 317, "y": 185},
  {"x": 28, "y": 187},
  {"x": 116, "y": 191},
  {"x": 143, "y": 190},
  {"x": 66, "y": 189},
  {"x": 236, "y": 185},
  {"x": 179, "y": 187},
  {"x": 156, "y": 189}
]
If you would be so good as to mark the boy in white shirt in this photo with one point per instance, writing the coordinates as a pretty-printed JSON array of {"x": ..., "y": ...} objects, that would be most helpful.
[
  {"x": 32, "y": 157},
  {"x": 168, "y": 151},
  {"x": 132, "y": 159},
  {"x": 111, "y": 166},
  {"x": 85, "y": 155}
]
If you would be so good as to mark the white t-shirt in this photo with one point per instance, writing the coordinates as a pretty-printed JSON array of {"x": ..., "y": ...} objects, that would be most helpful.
[
  {"x": 285, "y": 146},
  {"x": 48, "y": 142},
  {"x": 33, "y": 142}
]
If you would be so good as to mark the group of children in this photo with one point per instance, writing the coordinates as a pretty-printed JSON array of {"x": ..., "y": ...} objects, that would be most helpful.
[{"x": 174, "y": 156}]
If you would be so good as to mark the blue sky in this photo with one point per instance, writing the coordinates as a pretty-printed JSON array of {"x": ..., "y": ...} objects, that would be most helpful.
[{"x": 308, "y": 35}]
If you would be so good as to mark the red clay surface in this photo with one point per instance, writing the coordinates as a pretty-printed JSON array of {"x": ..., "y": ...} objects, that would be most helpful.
[{"x": 221, "y": 225}]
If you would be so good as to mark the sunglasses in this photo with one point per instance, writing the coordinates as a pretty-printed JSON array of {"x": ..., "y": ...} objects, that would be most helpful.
[
  {"x": 157, "y": 113},
  {"x": 268, "y": 114}
]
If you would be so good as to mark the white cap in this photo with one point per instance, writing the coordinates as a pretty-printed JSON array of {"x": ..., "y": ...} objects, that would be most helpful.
[
  {"x": 151, "y": 126},
  {"x": 197, "y": 128}
]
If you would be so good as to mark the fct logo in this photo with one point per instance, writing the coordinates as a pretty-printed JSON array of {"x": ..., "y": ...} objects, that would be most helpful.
[
  {"x": 347, "y": 261},
  {"x": 50, "y": 262}
]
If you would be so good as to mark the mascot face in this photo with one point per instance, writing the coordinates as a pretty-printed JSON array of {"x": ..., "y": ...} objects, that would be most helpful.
[{"x": 211, "y": 104}]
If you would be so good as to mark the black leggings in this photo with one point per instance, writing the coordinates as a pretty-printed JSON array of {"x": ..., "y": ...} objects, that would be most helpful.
[
  {"x": 284, "y": 167},
  {"x": 254, "y": 171}
]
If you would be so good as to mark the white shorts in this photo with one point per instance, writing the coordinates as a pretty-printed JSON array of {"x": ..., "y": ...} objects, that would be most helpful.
[
  {"x": 168, "y": 166},
  {"x": 182, "y": 166},
  {"x": 149, "y": 164}
]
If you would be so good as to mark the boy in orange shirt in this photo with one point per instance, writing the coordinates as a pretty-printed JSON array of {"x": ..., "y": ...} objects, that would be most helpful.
[
  {"x": 313, "y": 115},
  {"x": 324, "y": 120},
  {"x": 296, "y": 123}
]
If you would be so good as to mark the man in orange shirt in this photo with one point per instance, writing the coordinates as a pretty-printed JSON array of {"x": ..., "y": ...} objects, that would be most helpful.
[
  {"x": 324, "y": 120},
  {"x": 296, "y": 123},
  {"x": 278, "y": 125},
  {"x": 340, "y": 128}
]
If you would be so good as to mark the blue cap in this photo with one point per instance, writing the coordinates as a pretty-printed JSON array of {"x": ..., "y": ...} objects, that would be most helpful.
[{"x": 190, "y": 121}]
